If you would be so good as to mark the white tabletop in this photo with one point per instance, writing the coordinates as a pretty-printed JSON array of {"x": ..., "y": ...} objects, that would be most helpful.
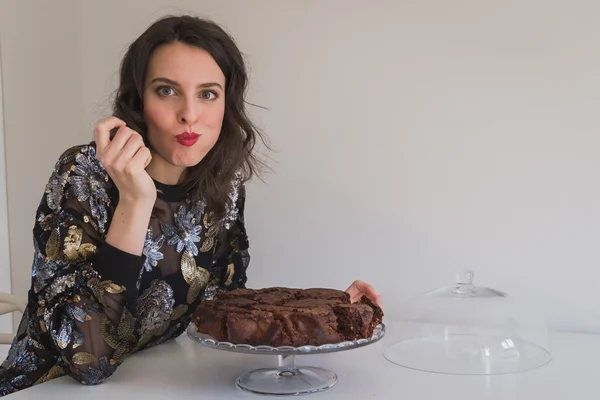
[{"x": 185, "y": 369}]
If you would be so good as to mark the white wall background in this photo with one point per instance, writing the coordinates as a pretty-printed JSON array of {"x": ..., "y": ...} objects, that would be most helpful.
[
  {"x": 43, "y": 111},
  {"x": 5, "y": 320},
  {"x": 413, "y": 138}
]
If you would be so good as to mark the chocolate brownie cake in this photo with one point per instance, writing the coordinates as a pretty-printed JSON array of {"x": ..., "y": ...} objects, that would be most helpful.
[{"x": 286, "y": 317}]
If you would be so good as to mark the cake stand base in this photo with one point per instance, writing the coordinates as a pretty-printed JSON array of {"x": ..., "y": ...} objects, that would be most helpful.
[{"x": 287, "y": 379}]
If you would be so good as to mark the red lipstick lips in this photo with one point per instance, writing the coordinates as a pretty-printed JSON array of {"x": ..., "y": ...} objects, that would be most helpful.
[{"x": 187, "y": 138}]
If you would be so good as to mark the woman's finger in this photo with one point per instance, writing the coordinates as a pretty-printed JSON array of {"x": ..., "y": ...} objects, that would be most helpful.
[
  {"x": 131, "y": 147},
  {"x": 360, "y": 288},
  {"x": 102, "y": 133}
]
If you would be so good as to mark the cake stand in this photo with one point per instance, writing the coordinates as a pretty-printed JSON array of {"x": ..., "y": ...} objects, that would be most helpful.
[{"x": 287, "y": 379}]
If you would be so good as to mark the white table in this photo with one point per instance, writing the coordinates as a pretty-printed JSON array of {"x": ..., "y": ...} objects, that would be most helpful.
[{"x": 182, "y": 369}]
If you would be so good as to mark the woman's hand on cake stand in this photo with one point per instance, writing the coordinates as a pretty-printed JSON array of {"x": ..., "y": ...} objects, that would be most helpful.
[{"x": 359, "y": 289}]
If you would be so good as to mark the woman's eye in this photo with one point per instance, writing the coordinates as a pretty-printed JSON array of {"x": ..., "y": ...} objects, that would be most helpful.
[
  {"x": 208, "y": 95},
  {"x": 165, "y": 91}
]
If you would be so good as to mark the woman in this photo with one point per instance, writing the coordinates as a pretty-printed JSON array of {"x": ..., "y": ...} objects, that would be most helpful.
[{"x": 139, "y": 226}]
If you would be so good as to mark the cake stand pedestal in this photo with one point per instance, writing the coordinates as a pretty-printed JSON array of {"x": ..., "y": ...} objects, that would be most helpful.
[{"x": 287, "y": 379}]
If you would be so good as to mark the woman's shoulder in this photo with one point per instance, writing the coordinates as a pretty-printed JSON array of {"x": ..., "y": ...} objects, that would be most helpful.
[
  {"x": 78, "y": 166},
  {"x": 80, "y": 178},
  {"x": 76, "y": 154}
]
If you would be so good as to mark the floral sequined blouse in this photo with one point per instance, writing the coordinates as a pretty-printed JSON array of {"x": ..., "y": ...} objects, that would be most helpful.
[{"x": 90, "y": 304}]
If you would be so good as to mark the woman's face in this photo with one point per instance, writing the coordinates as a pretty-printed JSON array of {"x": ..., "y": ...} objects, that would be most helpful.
[{"x": 184, "y": 105}]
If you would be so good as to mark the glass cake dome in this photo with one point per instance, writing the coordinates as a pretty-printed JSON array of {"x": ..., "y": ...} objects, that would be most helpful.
[{"x": 465, "y": 329}]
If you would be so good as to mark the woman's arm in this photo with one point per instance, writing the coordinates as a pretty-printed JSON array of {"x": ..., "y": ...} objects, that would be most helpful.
[
  {"x": 232, "y": 257},
  {"x": 85, "y": 287}
]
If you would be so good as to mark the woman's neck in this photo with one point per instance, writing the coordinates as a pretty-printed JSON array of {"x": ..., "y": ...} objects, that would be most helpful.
[{"x": 163, "y": 172}]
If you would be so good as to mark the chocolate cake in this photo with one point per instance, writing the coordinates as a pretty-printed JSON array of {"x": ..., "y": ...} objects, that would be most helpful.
[{"x": 286, "y": 317}]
